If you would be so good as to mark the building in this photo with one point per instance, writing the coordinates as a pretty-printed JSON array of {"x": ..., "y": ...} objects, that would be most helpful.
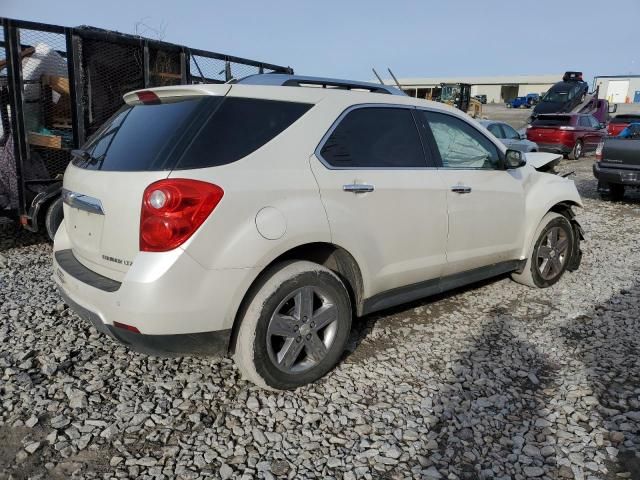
[
  {"x": 618, "y": 88},
  {"x": 497, "y": 89}
]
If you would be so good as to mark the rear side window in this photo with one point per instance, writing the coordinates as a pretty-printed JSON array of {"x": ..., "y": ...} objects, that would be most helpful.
[
  {"x": 375, "y": 137},
  {"x": 496, "y": 130},
  {"x": 239, "y": 126},
  {"x": 551, "y": 121},
  {"x": 195, "y": 133},
  {"x": 584, "y": 122}
]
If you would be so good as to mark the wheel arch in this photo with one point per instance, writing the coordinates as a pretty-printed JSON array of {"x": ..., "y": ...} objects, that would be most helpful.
[{"x": 335, "y": 258}]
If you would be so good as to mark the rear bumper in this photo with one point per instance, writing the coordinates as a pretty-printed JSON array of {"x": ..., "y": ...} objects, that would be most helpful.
[
  {"x": 555, "y": 148},
  {"x": 202, "y": 343},
  {"x": 177, "y": 306},
  {"x": 621, "y": 176}
]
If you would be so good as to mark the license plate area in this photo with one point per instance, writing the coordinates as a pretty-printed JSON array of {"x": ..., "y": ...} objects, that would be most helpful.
[{"x": 85, "y": 230}]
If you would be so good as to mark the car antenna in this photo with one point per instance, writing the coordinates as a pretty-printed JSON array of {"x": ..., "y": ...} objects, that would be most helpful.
[
  {"x": 394, "y": 78},
  {"x": 377, "y": 76}
]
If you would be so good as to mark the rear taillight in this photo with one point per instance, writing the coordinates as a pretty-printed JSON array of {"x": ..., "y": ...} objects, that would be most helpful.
[
  {"x": 599, "y": 149},
  {"x": 173, "y": 209}
]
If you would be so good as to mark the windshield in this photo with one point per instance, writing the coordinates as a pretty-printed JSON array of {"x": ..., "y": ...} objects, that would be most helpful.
[{"x": 449, "y": 93}]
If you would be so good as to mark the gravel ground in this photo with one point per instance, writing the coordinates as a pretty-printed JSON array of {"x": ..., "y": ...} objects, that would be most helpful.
[{"x": 496, "y": 381}]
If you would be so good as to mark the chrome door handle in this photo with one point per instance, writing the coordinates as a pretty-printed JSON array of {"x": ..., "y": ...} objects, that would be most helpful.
[
  {"x": 358, "y": 188},
  {"x": 461, "y": 189}
]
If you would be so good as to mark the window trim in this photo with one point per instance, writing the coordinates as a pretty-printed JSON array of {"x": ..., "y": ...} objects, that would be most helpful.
[
  {"x": 436, "y": 151},
  {"x": 429, "y": 164}
]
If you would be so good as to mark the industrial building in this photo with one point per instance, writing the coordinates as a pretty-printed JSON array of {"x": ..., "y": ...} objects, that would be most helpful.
[
  {"x": 619, "y": 88},
  {"x": 497, "y": 89}
]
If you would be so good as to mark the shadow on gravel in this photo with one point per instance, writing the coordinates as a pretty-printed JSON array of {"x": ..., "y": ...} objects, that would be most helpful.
[
  {"x": 13, "y": 235},
  {"x": 492, "y": 406},
  {"x": 358, "y": 350},
  {"x": 607, "y": 343}
]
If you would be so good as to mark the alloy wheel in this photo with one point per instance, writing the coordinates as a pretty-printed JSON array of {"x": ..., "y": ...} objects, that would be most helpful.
[
  {"x": 552, "y": 253},
  {"x": 302, "y": 329}
]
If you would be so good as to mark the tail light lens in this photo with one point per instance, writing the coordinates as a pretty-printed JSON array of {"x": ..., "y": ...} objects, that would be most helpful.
[
  {"x": 599, "y": 151},
  {"x": 173, "y": 209}
]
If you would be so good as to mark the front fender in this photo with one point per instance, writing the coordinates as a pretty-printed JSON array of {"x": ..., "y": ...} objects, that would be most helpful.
[{"x": 543, "y": 192}]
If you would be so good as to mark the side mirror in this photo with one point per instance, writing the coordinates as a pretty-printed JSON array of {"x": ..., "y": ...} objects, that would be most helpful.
[
  {"x": 514, "y": 159},
  {"x": 613, "y": 107},
  {"x": 602, "y": 125},
  {"x": 523, "y": 136}
]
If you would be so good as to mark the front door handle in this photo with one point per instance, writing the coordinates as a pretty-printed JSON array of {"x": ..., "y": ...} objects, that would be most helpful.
[
  {"x": 461, "y": 189},
  {"x": 358, "y": 188}
]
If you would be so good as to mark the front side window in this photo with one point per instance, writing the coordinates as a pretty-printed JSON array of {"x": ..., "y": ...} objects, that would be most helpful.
[
  {"x": 375, "y": 137},
  {"x": 460, "y": 145}
]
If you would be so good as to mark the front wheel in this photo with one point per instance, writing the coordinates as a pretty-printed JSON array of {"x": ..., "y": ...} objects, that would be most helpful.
[
  {"x": 576, "y": 153},
  {"x": 551, "y": 253},
  {"x": 295, "y": 327}
]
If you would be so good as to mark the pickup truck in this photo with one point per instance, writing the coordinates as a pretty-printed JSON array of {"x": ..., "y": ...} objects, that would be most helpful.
[
  {"x": 524, "y": 102},
  {"x": 617, "y": 164}
]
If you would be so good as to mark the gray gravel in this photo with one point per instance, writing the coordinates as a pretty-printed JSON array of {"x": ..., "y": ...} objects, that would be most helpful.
[{"x": 496, "y": 381}]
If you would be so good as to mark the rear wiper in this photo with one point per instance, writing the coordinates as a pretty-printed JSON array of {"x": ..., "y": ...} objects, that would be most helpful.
[{"x": 83, "y": 154}]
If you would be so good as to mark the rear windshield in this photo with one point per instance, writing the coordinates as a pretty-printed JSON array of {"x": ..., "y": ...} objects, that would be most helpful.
[
  {"x": 551, "y": 121},
  {"x": 625, "y": 118},
  {"x": 194, "y": 133}
]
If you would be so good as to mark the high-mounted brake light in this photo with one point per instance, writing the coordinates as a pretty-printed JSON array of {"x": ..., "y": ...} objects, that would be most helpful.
[
  {"x": 599, "y": 149},
  {"x": 173, "y": 209},
  {"x": 148, "y": 97}
]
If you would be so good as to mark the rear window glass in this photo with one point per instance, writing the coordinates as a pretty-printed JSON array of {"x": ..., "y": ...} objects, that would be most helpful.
[
  {"x": 551, "y": 121},
  {"x": 625, "y": 118},
  {"x": 195, "y": 133}
]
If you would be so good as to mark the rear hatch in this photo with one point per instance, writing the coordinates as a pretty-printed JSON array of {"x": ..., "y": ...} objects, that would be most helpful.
[
  {"x": 105, "y": 182},
  {"x": 549, "y": 128}
]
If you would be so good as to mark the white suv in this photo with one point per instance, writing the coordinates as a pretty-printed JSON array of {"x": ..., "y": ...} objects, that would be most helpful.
[{"x": 258, "y": 220}]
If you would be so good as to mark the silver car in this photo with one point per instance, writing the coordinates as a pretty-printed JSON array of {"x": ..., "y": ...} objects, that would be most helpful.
[{"x": 508, "y": 135}]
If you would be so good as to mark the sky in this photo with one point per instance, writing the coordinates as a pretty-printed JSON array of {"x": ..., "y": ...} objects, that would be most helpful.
[{"x": 345, "y": 39}]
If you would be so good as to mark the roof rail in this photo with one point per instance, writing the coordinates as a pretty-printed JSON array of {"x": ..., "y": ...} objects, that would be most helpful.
[{"x": 318, "y": 82}]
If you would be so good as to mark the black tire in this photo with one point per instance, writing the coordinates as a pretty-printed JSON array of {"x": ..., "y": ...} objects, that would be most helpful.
[
  {"x": 577, "y": 151},
  {"x": 54, "y": 217},
  {"x": 261, "y": 355},
  {"x": 532, "y": 275}
]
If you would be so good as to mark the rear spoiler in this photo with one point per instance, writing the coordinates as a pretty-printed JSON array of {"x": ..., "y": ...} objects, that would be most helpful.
[{"x": 154, "y": 96}]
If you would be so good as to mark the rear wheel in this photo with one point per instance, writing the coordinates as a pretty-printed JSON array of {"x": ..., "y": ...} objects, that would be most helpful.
[
  {"x": 576, "y": 153},
  {"x": 551, "y": 252},
  {"x": 54, "y": 217},
  {"x": 295, "y": 327}
]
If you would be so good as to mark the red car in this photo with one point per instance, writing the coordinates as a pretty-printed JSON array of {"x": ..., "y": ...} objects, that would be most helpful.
[
  {"x": 620, "y": 122},
  {"x": 570, "y": 134}
]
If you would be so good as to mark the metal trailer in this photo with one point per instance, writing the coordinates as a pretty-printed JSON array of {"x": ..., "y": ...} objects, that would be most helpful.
[{"x": 58, "y": 85}]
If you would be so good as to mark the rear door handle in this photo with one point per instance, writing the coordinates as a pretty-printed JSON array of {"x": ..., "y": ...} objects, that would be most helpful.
[
  {"x": 358, "y": 188},
  {"x": 461, "y": 189}
]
